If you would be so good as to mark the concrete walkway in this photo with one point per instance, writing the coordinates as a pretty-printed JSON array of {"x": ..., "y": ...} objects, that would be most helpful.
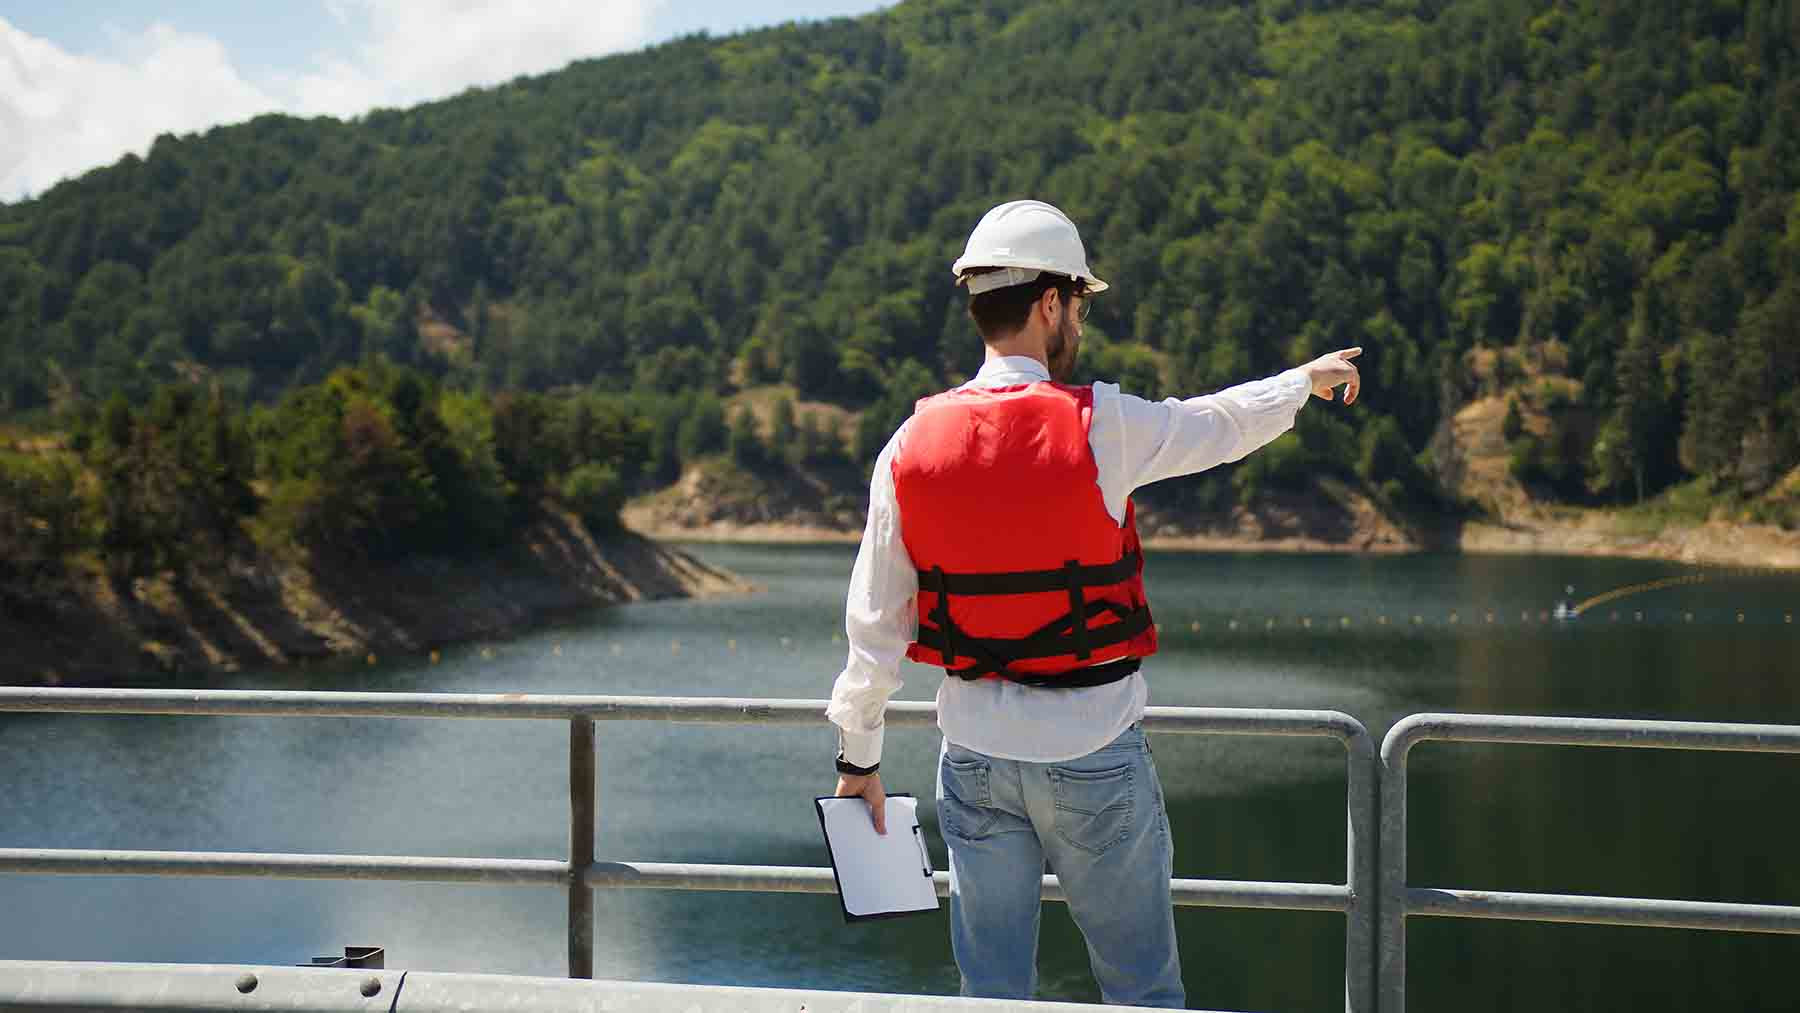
[{"x": 203, "y": 988}]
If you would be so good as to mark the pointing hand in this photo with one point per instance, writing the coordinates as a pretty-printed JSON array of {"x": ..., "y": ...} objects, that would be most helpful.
[{"x": 1331, "y": 369}]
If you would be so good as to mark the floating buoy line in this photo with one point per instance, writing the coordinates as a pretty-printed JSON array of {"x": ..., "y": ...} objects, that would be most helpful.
[
  {"x": 1220, "y": 627},
  {"x": 1631, "y": 589}
]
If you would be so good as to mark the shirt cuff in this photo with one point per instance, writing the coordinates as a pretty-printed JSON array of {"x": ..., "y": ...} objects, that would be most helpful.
[
  {"x": 1296, "y": 385},
  {"x": 862, "y": 748}
]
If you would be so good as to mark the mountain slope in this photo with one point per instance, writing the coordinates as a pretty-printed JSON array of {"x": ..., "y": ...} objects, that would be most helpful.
[{"x": 1263, "y": 180}]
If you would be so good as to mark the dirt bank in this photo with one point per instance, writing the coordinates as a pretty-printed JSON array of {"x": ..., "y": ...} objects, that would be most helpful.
[
  {"x": 1339, "y": 518},
  {"x": 1601, "y": 534},
  {"x": 261, "y": 612}
]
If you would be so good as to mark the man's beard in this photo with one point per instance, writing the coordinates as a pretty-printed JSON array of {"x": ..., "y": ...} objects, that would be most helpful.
[{"x": 1065, "y": 346}]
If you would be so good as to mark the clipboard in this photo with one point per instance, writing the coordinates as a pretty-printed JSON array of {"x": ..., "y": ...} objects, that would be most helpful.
[{"x": 877, "y": 876}]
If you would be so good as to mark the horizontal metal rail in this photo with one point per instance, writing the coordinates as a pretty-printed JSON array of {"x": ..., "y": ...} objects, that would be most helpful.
[
  {"x": 1354, "y": 898},
  {"x": 807, "y": 879},
  {"x": 598, "y": 876},
  {"x": 1563, "y": 907},
  {"x": 390, "y": 868},
  {"x": 1615, "y": 732},
  {"x": 680, "y": 710},
  {"x": 1400, "y": 900},
  {"x": 520, "y": 706}
]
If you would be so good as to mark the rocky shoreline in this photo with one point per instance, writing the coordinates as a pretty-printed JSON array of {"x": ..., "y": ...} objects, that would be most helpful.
[
  {"x": 1597, "y": 534},
  {"x": 266, "y": 614},
  {"x": 1714, "y": 543},
  {"x": 722, "y": 504},
  {"x": 263, "y": 613}
]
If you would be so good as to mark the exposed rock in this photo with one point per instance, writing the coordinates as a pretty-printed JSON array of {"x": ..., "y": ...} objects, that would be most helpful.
[
  {"x": 266, "y": 613},
  {"x": 717, "y": 500}
]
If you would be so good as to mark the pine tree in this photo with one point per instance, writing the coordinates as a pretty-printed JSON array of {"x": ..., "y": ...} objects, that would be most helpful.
[
  {"x": 783, "y": 432},
  {"x": 1514, "y": 424},
  {"x": 1632, "y": 442},
  {"x": 745, "y": 443}
]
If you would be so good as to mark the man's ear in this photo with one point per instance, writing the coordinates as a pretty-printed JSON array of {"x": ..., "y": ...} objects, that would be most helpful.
[{"x": 1048, "y": 302}]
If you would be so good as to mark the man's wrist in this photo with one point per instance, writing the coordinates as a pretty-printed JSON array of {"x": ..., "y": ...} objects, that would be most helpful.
[
  {"x": 846, "y": 767},
  {"x": 861, "y": 750}
]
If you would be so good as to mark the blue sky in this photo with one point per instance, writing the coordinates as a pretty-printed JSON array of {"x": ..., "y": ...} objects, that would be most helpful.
[{"x": 81, "y": 84}]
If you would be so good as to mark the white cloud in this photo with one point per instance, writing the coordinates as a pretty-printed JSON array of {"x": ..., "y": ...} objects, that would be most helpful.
[
  {"x": 63, "y": 113},
  {"x": 424, "y": 49}
]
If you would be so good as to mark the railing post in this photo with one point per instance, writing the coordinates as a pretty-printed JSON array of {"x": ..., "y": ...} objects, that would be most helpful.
[
  {"x": 1360, "y": 855},
  {"x": 1390, "y": 910},
  {"x": 581, "y": 847}
]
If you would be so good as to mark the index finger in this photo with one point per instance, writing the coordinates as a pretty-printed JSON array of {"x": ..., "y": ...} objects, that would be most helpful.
[{"x": 1350, "y": 353}]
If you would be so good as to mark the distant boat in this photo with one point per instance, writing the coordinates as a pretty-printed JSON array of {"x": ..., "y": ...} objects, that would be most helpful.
[{"x": 1564, "y": 612}]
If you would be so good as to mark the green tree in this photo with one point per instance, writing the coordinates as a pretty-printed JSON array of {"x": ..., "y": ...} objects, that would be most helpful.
[
  {"x": 386, "y": 325},
  {"x": 595, "y": 493},
  {"x": 1263, "y": 182},
  {"x": 703, "y": 431},
  {"x": 173, "y": 482},
  {"x": 1634, "y": 448},
  {"x": 465, "y": 467},
  {"x": 820, "y": 442},
  {"x": 345, "y": 478},
  {"x": 1388, "y": 463},
  {"x": 1513, "y": 425},
  {"x": 526, "y": 456},
  {"x": 744, "y": 442},
  {"x": 784, "y": 430},
  {"x": 904, "y": 387},
  {"x": 43, "y": 517}
]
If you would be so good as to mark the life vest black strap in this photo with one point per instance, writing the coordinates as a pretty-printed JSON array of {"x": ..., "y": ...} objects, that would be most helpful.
[
  {"x": 1074, "y": 678},
  {"x": 941, "y": 615},
  {"x": 1069, "y": 635},
  {"x": 1077, "y": 607},
  {"x": 993, "y": 655},
  {"x": 1032, "y": 581}
]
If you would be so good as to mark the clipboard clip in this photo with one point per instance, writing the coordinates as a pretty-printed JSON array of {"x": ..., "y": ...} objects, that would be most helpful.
[{"x": 924, "y": 854}]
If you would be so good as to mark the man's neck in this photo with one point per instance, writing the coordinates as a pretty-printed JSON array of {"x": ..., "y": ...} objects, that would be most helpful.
[{"x": 1021, "y": 344}]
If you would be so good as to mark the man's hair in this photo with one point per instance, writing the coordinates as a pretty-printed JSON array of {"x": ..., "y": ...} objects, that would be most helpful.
[{"x": 1004, "y": 310}]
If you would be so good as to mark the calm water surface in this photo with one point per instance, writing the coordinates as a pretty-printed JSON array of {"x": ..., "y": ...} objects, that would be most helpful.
[{"x": 1239, "y": 630}]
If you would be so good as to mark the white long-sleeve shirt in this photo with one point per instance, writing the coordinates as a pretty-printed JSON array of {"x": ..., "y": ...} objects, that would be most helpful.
[{"x": 1135, "y": 442}]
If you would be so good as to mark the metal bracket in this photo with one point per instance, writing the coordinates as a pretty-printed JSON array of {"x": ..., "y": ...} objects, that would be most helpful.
[{"x": 372, "y": 958}]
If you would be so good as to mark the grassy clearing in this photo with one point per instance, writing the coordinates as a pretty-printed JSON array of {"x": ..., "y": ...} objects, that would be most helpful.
[{"x": 1696, "y": 502}]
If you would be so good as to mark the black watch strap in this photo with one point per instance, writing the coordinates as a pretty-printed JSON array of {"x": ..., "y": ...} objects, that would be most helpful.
[{"x": 846, "y": 767}]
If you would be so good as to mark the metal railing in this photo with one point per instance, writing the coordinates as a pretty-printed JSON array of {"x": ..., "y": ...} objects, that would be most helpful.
[
  {"x": 581, "y": 873},
  {"x": 1400, "y": 900}
]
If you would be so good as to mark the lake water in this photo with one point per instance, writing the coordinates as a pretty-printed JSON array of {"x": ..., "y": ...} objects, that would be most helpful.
[{"x": 1239, "y": 630}]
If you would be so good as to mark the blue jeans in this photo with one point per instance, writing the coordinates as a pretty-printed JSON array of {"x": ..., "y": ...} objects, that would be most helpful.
[{"x": 1099, "y": 821}]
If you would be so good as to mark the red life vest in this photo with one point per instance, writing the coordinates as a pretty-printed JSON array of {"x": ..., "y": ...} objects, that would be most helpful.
[{"x": 1023, "y": 575}]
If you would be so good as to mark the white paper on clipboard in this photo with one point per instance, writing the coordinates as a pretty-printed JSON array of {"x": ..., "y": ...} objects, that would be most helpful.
[{"x": 878, "y": 876}]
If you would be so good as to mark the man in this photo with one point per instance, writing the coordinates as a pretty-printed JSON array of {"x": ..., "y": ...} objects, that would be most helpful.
[{"x": 1002, "y": 546}]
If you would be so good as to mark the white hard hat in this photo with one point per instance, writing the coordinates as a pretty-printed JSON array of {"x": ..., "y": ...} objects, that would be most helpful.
[{"x": 1027, "y": 238}]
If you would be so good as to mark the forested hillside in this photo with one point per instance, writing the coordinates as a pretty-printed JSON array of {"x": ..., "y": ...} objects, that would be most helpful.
[{"x": 1598, "y": 199}]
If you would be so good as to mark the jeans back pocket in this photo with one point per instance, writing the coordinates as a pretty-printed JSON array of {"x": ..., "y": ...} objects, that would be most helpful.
[
  {"x": 965, "y": 800},
  {"x": 1094, "y": 809}
]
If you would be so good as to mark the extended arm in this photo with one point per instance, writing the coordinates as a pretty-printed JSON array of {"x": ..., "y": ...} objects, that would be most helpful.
[{"x": 1148, "y": 441}]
